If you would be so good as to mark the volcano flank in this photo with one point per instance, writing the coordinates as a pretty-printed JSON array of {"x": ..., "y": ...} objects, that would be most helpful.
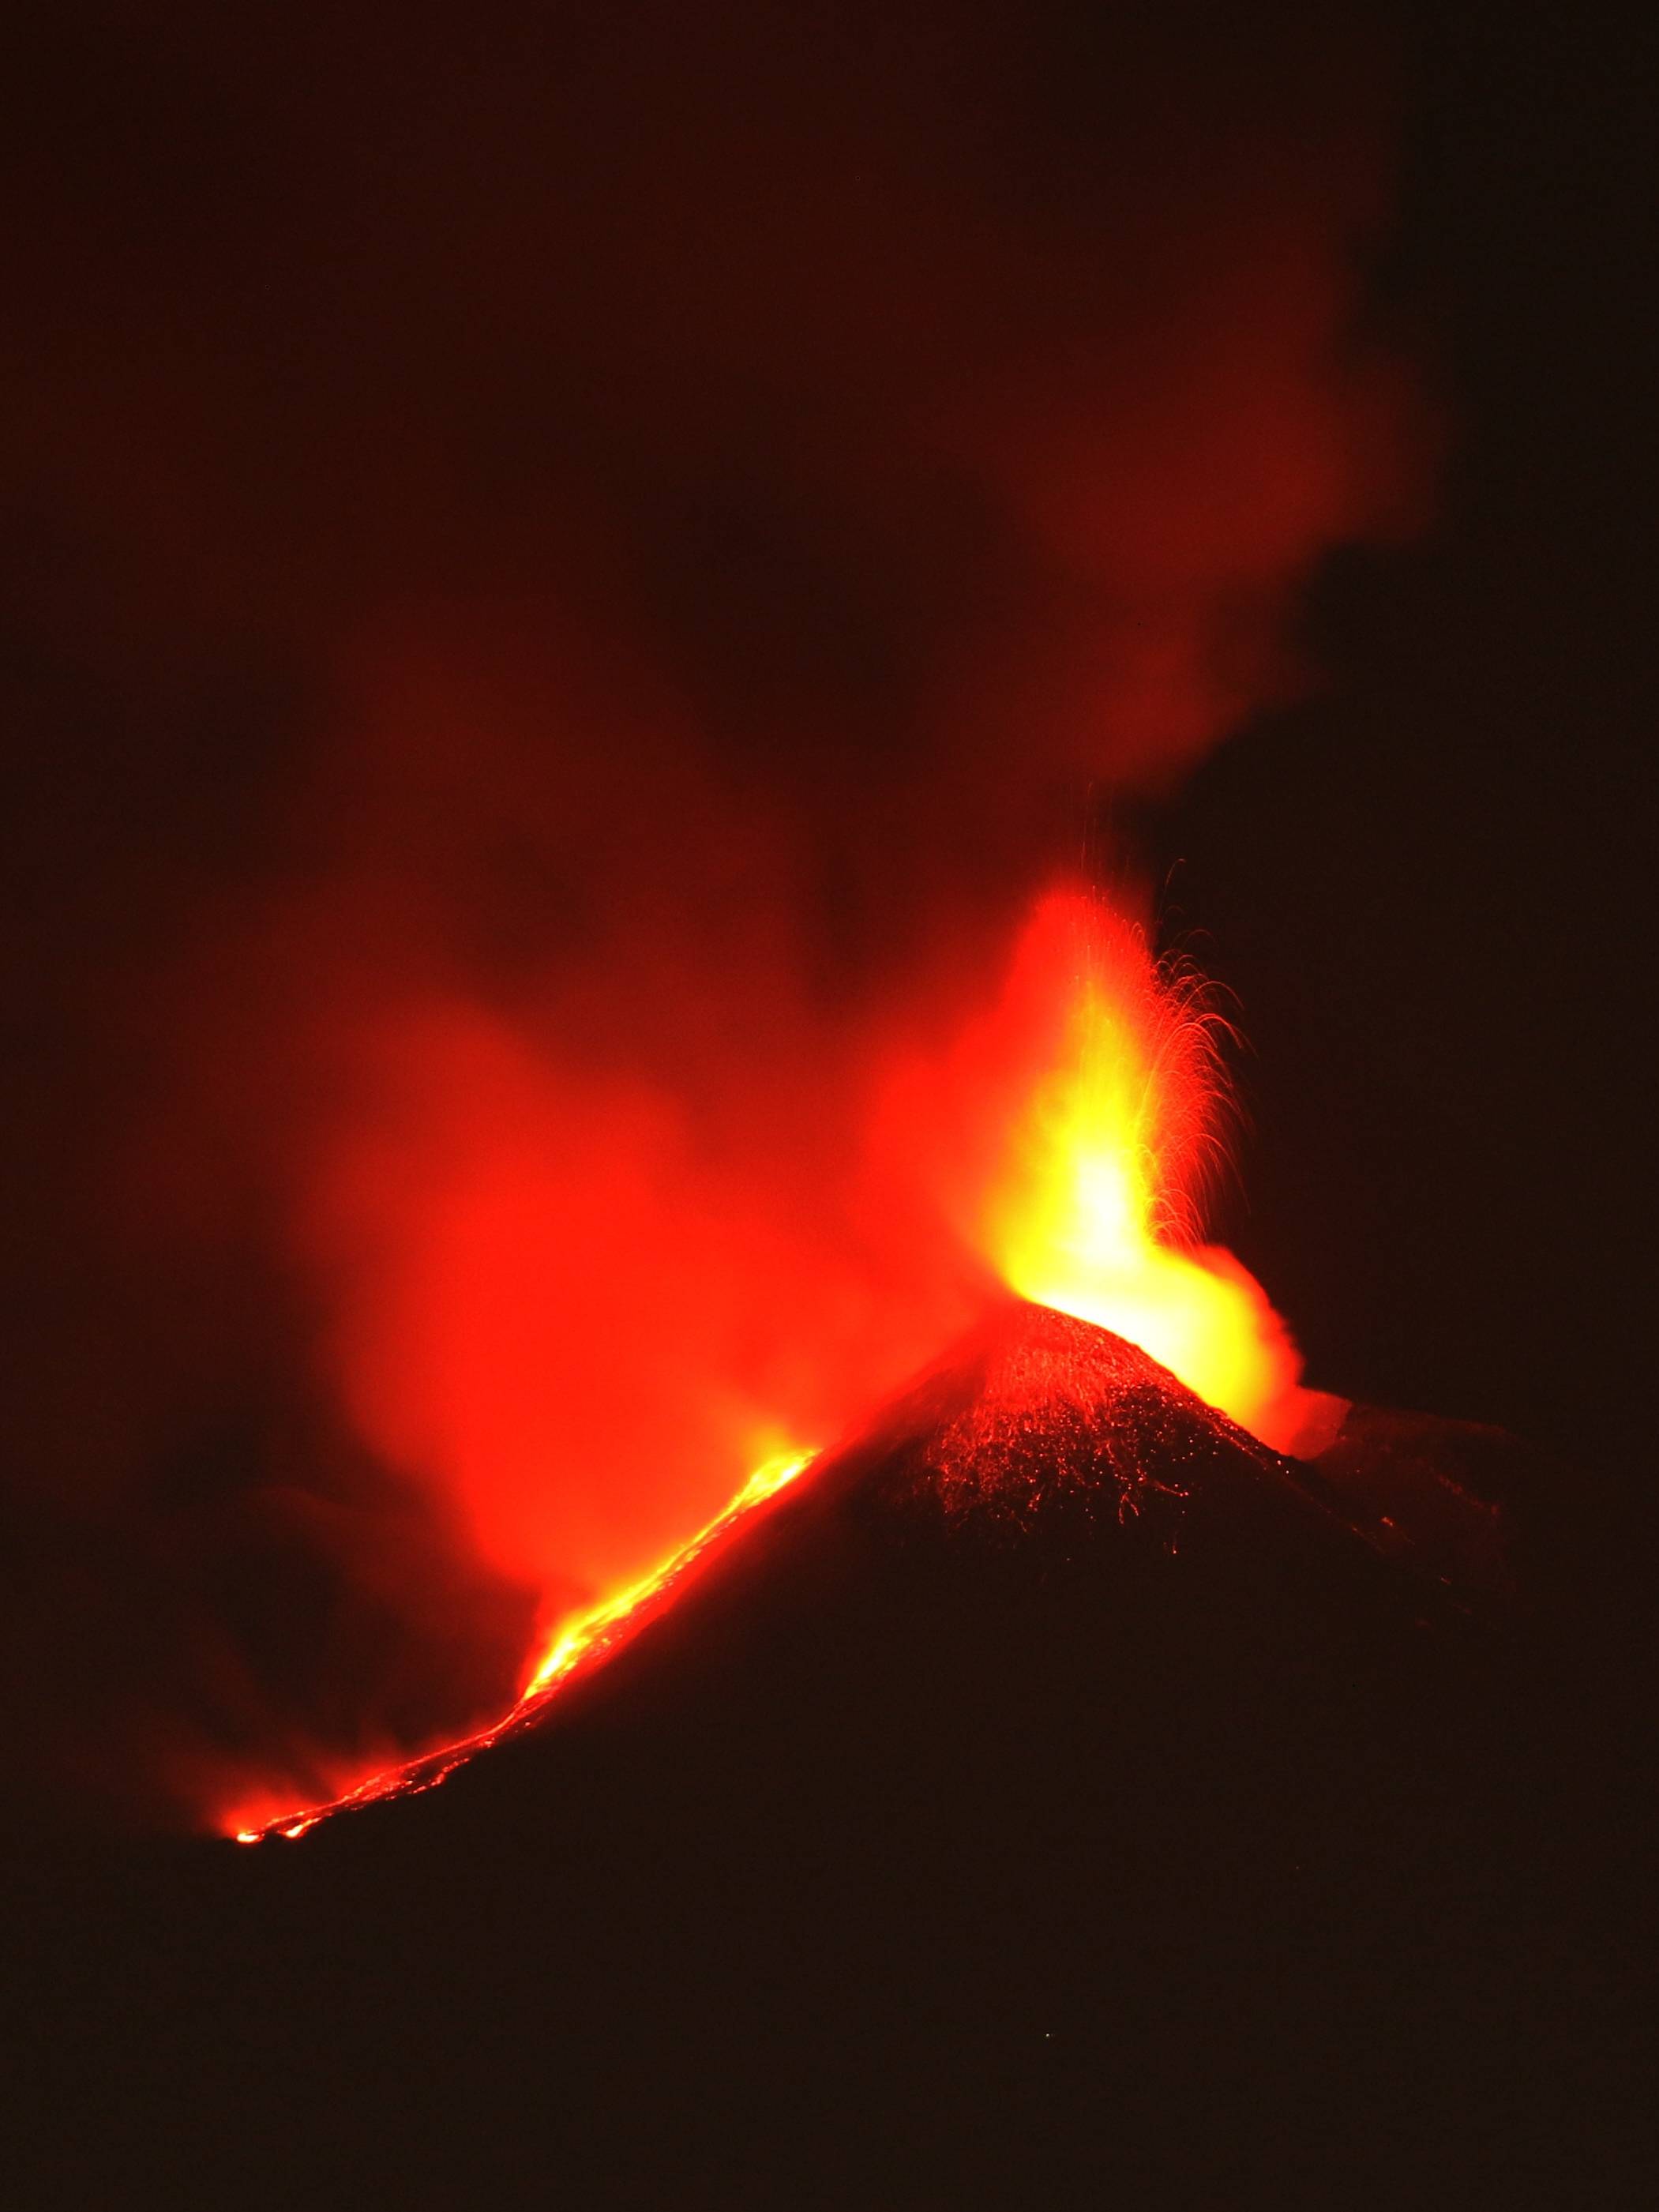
[
  {"x": 1054, "y": 1782},
  {"x": 1038, "y": 1427}
]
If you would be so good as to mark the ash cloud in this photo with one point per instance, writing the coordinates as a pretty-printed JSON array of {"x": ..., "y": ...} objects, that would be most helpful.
[{"x": 567, "y": 573}]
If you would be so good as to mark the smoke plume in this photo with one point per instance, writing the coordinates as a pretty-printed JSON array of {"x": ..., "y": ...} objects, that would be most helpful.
[{"x": 571, "y": 572}]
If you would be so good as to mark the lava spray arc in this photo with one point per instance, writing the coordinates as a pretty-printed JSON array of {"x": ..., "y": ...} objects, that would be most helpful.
[
  {"x": 1097, "y": 1208},
  {"x": 1067, "y": 1136}
]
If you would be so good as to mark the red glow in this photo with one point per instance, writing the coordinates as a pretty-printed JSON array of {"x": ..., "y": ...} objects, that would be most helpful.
[
  {"x": 584, "y": 1311},
  {"x": 588, "y": 1637},
  {"x": 1094, "y": 1202}
]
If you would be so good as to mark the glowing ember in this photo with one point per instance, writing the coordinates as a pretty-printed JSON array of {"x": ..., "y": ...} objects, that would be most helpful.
[{"x": 587, "y": 1637}]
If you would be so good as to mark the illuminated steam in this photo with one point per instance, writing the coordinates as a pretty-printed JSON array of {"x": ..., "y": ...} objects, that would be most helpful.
[{"x": 594, "y": 568}]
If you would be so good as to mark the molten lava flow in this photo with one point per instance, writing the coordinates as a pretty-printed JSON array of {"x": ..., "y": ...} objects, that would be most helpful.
[
  {"x": 604, "y": 1625},
  {"x": 587, "y": 1637},
  {"x": 1093, "y": 1208}
]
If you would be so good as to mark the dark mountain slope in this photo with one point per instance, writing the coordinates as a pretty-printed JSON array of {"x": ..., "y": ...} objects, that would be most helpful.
[{"x": 1053, "y": 1801}]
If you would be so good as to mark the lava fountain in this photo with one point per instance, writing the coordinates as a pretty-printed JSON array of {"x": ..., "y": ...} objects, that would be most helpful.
[{"x": 1108, "y": 1153}]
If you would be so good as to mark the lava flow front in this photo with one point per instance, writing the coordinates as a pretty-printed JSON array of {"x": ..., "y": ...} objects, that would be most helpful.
[
  {"x": 587, "y": 1637},
  {"x": 1066, "y": 1137}
]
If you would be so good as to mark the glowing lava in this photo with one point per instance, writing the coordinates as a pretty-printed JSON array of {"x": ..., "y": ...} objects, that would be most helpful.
[
  {"x": 1092, "y": 1205},
  {"x": 587, "y": 1637},
  {"x": 604, "y": 1625}
]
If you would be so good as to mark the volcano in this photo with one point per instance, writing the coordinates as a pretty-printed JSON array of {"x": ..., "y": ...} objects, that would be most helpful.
[
  {"x": 1041, "y": 1424},
  {"x": 1054, "y": 1791}
]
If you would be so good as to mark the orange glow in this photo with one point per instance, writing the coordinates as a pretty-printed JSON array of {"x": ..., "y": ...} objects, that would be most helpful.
[
  {"x": 1071, "y": 1132},
  {"x": 1093, "y": 1212},
  {"x": 585, "y": 1638},
  {"x": 571, "y": 1318},
  {"x": 601, "y": 1625}
]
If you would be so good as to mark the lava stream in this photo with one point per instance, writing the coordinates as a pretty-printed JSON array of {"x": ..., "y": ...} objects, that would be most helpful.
[{"x": 586, "y": 1638}]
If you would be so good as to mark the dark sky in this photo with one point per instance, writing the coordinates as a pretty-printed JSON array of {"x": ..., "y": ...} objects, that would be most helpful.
[
  {"x": 1432, "y": 887},
  {"x": 887, "y": 436}
]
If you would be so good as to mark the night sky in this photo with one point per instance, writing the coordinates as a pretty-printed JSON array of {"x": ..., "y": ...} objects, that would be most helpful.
[{"x": 1431, "y": 886}]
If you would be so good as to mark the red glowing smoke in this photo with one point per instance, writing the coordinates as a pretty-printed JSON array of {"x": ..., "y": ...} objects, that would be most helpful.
[
  {"x": 554, "y": 1306},
  {"x": 677, "y": 520}
]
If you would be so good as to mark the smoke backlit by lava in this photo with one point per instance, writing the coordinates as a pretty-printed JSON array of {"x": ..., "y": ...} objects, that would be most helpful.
[{"x": 1069, "y": 1131}]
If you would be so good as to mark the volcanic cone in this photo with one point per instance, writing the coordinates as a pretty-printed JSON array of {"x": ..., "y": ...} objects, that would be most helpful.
[{"x": 1054, "y": 1785}]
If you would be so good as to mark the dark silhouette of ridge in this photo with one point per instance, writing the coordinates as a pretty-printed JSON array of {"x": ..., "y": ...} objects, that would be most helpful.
[
  {"x": 1042, "y": 1424},
  {"x": 1034, "y": 1422},
  {"x": 1056, "y": 1798}
]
